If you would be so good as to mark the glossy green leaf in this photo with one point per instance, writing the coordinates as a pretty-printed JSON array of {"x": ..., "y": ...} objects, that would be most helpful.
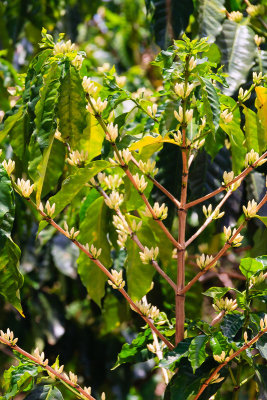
[
  {"x": 72, "y": 186},
  {"x": 211, "y": 104},
  {"x": 46, "y": 106},
  {"x": 254, "y": 131},
  {"x": 136, "y": 351},
  {"x": 262, "y": 219},
  {"x": 261, "y": 104},
  {"x": 93, "y": 230},
  {"x": 171, "y": 358},
  {"x": 238, "y": 48},
  {"x": 11, "y": 122},
  {"x": 163, "y": 243},
  {"x": 210, "y": 17},
  {"x": 46, "y": 392},
  {"x": 43, "y": 167},
  {"x": 218, "y": 343},
  {"x": 71, "y": 108},
  {"x": 250, "y": 266},
  {"x": 261, "y": 345},
  {"x": 217, "y": 292},
  {"x": 231, "y": 325},
  {"x": 197, "y": 351}
]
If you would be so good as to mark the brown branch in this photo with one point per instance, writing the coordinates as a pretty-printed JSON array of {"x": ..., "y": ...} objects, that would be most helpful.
[
  {"x": 222, "y": 188},
  {"x": 135, "y": 238},
  {"x": 47, "y": 368},
  {"x": 208, "y": 220},
  {"x": 230, "y": 358},
  {"x": 218, "y": 318},
  {"x": 106, "y": 272}
]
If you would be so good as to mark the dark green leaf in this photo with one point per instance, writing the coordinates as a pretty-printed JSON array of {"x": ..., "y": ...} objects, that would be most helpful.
[
  {"x": 171, "y": 358},
  {"x": 261, "y": 345},
  {"x": 210, "y": 17},
  {"x": 45, "y": 392},
  {"x": 231, "y": 325},
  {"x": 197, "y": 351}
]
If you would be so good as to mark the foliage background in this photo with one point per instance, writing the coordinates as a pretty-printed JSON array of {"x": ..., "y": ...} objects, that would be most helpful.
[{"x": 60, "y": 317}]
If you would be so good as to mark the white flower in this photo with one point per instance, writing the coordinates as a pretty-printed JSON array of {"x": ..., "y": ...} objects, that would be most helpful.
[
  {"x": 125, "y": 155},
  {"x": 89, "y": 86},
  {"x": 178, "y": 137},
  {"x": 226, "y": 116},
  {"x": 243, "y": 95},
  {"x": 251, "y": 210},
  {"x": 180, "y": 90},
  {"x": 105, "y": 68},
  {"x": 235, "y": 16},
  {"x": 152, "y": 111},
  {"x": 257, "y": 78},
  {"x": 140, "y": 182},
  {"x": 120, "y": 80},
  {"x": 40, "y": 357},
  {"x": 93, "y": 250},
  {"x": 237, "y": 241},
  {"x": 122, "y": 238},
  {"x": 252, "y": 157},
  {"x": 73, "y": 378},
  {"x": 149, "y": 254},
  {"x": 114, "y": 200},
  {"x": 112, "y": 132},
  {"x": 136, "y": 227},
  {"x": 58, "y": 369},
  {"x": 227, "y": 178},
  {"x": 227, "y": 232},
  {"x": 103, "y": 396},
  {"x": 63, "y": 47},
  {"x": 255, "y": 10},
  {"x": 226, "y": 305},
  {"x": 245, "y": 336},
  {"x": 70, "y": 234},
  {"x": 161, "y": 212},
  {"x": 213, "y": 214},
  {"x": 152, "y": 347},
  {"x": 179, "y": 115},
  {"x": 148, "y": 167},
  {"x": 49, "y": 209},
  {"x": 203, "y": 261},
  {"x": 113, "y": 181},
  {"x": 192, "y": 64},
  {"x": 118, "y": 282},
  {"x": 77, "y": 158},
  {"x": 9, "y": 336},
  {"x": 98, "y": 106},
  {"x": 189, "y": 115},
  {"x": 25, "y": 187},
  {"x": 88, "y": 390},
  {"x": 257, "y": 279},
  {"x": 121, "y": 224},
  {"x": 77, "y": 62},
  {"x": 220, "y": 358},
  {"x": 147, "y": 309},
  {"x": 216, "y": 379},
  {"x": 9, "y": 166},
  {"x": 263, "y": 322}
]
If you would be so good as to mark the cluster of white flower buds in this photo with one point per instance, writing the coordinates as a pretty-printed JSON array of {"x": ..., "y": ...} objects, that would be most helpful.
[
  {"x": 209, "y": 213},
  {"x": 112, "y": 132},
  {"x": 226, "y": 305},
  {"x": 120, "y": 80},
  {"x": 140, "y": 182},
  {"x": 70, "y": 234},
  {"x": 112, "y": 181},
  {"x": 251, "y": 210},
  {"x": 9, "y": 166},
  {"x": 149, "y": 167},
  {"x": 125, "y": 155},
  {"x": 25, "y": 187},
  {"x": 73, "y": 378},
  {"x": 93, "y": 250},
  {"x": 77, "y": 158},
  {"x": 152, "y": 347},
  {"x": 147, "y": 309},
  {"x": 105, "y": 68},
  {"x": 89, "y": 85},
  {"x": 143, "y": 93},
  {"x": 40, "y": 357},
  {"x": 183, "y": 90},
  {"x": 180, "y": 115},
  {"x": 257, "y": 78},
  {"x": 263, "y": 322},
  {"x": 118, "y": 282},
  {"x": 203, "y": 261},
  {"x": 149, "y": 254},
  {"x": 235, "y": 16},
  {"x": 254, "y": 10},
  {"x": 227, "y": 178},
  {"x": 257, "y": 279},
  {"x": 114, "y": 200},
  {"x": 237, "y": 241},
  {"x": 243, "y": 95},
  {"x": 192, "y": 64},
  {"x": 9, "y": 336},
  {"x": 50, "y": 210},
  {"x": 252, "y": 157},
  {"x": 98, "y": 106},
  {"x": 227, "y": 116},
  {"x": 152, "y": 111},
  {"x": 124, "y": 229},
  {"x": 216, "y": 379},
  {"x": 57, "y": 368},
  {"x": 222, "y": 357},
  {"x": 160, "y": 212},
  {"x": 63, "y": 47},
  {"x": 78, "y": 61}
]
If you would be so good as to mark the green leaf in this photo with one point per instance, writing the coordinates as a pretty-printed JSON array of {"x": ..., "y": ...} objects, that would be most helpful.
[
  {"x": 210, "y": 17},
  {"x": 46, "y": 106},
  {"x": 231, "y": 325},
  {"x": 72, "y": 185},
  {"x": 261, "y": 345},
  {"x": 211, "y": 103},
  {"x": 218, "y": 343},
  {"x": 217, "y": 292},
  {"x": 136, "y": 351},
  {"x": 11, "y": 279},
  {"x": 94, "y": 229},
  {"x": 254, "y": 131},
  {"x": 11, "y": 122},
  {"x": 197, "y": 351},
  {"x": 250, "y": 266},
  {"x": 71, "y": 108},
  {"x": 238, "y": 48},
  {"x": 171, "y": 358},
  {"x": 46, "y": 392},
  {"x": 262, "y": 219},
  {"x": 19, "y": 378},
  {"x": 43, "y": 167},
  {"x": 160, "y": 240}
]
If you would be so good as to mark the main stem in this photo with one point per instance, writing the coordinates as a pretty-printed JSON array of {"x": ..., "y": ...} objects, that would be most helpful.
[{"x": 180, "y": 297}]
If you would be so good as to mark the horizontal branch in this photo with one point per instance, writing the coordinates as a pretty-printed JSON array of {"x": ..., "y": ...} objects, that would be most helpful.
[
  {"x": 222, "y": 188},
  {"x": 61, "y": 376},
  {"x": 208, "y": 220},
  {"x": 228, "y": 359}
]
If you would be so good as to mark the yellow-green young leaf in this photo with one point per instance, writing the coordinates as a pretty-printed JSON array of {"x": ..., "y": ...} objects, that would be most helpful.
[
  {"x": 46, "y": 106},
  {"x": 10, "y": 123},
  {"x": 11, "y": 279},
  {"x": 147, "y": 141},
  {"x": 71, "y": 108},
  {"x": 261, "y": 104},
  {"x": 115, "y": 311},
  {"x": 72, "y": 186},
  {"x": 254, "y": 131},
  {"x": 92, "y": 137},
  {"x": 262, "y": 219},
  {"x": 20, "y": 378},
  {"x": 94, "y": 230}
]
